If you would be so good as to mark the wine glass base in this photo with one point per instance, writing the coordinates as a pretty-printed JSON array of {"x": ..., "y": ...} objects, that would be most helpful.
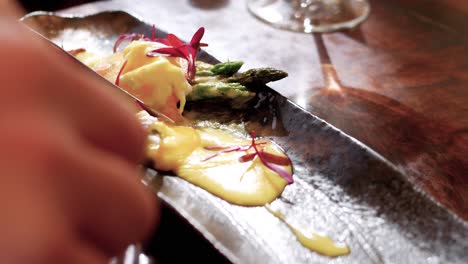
[{"x": 310, "y": 16}]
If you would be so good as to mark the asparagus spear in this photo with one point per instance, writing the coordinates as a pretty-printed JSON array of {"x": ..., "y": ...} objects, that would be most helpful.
[
  {"x": 221, "y": 81},
  {"x": 211, "y": 90},
  {"x": 227, "y": 68},
  {"x": 210, "y": 82},
  {"x": 251, "y": 78},
  {"x": 256, "y": 77}
]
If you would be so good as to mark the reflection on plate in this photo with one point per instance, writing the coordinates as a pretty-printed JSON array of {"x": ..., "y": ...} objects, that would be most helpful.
[{"x": 342, "y": 189}]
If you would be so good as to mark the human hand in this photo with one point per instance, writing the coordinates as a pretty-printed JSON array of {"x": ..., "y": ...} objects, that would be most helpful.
[{"x": 69, "y": 187}]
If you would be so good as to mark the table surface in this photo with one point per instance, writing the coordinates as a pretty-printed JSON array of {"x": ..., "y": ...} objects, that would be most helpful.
[{"x": 398, "y": 83}]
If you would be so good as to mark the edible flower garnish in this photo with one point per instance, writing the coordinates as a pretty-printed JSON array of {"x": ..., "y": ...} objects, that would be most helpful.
[
  {"x": 177, "y": 48},
  {"x": 135, "y": 36},
  {"x": 117, "y": 79},
  {"x": 271, "y": 161},
  {"x": 228, "y": 149}
]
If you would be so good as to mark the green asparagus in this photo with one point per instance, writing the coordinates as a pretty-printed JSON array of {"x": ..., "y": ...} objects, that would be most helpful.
[
  {"x": 222, "y": 81},
  {"x": 227, "y": 68},
  {"x": 223, "y": 90},
  {"x": 260, "y": 76}
]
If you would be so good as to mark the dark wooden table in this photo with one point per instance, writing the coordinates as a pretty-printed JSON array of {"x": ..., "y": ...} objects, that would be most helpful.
[{"x": 398, "y": 83}]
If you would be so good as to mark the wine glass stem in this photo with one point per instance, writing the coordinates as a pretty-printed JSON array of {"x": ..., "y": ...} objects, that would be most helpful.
[{"x": 330, "y": 76}]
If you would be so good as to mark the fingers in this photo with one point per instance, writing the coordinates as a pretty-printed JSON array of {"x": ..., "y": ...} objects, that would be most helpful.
[
  {"x": 80, "y": 253},
  {"x": 115, "y": 208},
  {"x": 102, "y": 117},
  {"x": 100, "y": 191},
  {"x": 97, "y": 193},
  {"x": 95, "y": 110},
  {"x": 74, "y": 143}
]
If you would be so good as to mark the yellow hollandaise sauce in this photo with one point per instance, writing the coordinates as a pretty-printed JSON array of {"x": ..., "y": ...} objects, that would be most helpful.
[
  {"x": 106, "y": 66},
  {"x": 205, "y": 157},
  {"x": 159, "y": 81},
  {"x": 320, "y": 244}
]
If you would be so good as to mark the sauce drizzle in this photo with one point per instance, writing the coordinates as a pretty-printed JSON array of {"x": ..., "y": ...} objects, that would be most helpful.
[{"x": 320, "y": 244}]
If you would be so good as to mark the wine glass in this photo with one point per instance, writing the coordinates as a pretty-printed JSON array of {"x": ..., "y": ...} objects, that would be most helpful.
[{"x": 310, "y": 15}]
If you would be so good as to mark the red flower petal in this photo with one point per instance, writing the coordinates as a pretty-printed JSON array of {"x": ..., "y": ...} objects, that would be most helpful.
[
  {"x": 215, "y": 147},
  {"x": 281, "y": 172},
  {"x": 226, "y": 150},
  {"x": 130, "y": 37},
  {"x": 191, "y": 70},
  {"x": 210, "y": 157},
  {"x": 117, "y": 80},
  {"x": 174, "y": 40},
  {"x": 121, "y": 39},
  {"x": 167, "y": 51},
  {"x": 247, "y": 157},
  {"x": 275, "y": 159},
  {"x": 198, "y": 36},
  {"x": 163, "y": 41}
]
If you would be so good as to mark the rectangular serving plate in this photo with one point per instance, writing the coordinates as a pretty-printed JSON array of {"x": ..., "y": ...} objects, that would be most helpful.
[{"x": 342, "y": 188}]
